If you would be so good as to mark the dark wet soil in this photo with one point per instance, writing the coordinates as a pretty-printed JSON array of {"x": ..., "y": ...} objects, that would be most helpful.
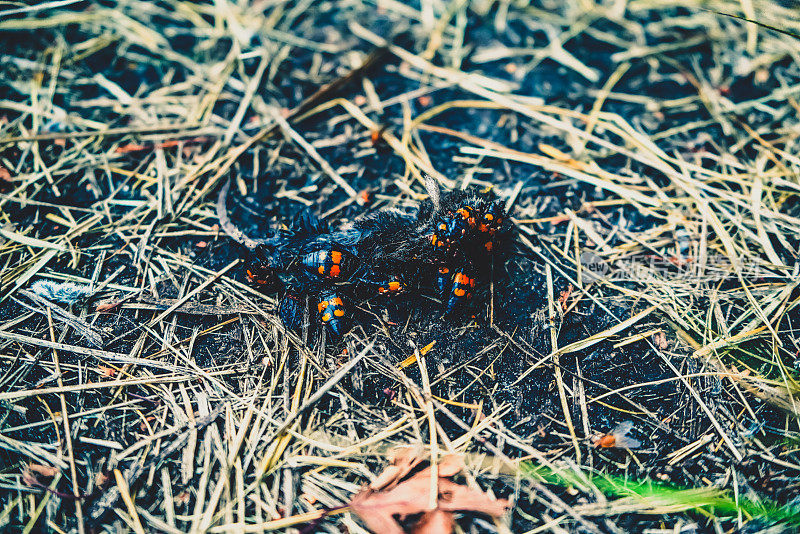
[{"x": 479, "y": 357}]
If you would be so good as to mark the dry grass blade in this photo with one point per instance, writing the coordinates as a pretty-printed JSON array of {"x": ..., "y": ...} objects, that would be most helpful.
[{"x": 646, "y": 294}]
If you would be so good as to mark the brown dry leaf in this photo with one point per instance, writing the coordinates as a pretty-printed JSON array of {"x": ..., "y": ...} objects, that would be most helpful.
[
  {"x": 29, "y": 479},
  {"x": 106, "y": 372},
  {"x": 390, "y": 475},
  {"x": 563, "y": 298},
  {"x": 44, "y": 470},
  {"x": 107, "y": 306},
  {"x": 457, "y": 498},
  {"x": 402, "y": 461},
  {"x": 100, "y": 479},
  {"x": 377, "y": 520},
  {"x": 449, "y": 466},
  {"x": 377, "y": 507},
  {"x": 436, "y": 522}
]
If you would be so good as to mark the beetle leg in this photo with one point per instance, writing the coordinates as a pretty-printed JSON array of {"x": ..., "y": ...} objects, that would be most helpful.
[
  {"x": 290, "y": 310},
  {"x": 444, "y": 277}
]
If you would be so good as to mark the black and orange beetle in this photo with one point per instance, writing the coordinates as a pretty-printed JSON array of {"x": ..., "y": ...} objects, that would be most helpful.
[
  {"x": 332, "y": 313},
  {"x": 328, "y": 263},
  {"x": 448, "y": 242}
]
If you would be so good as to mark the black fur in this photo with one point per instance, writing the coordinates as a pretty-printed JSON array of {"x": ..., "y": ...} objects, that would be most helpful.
[{"x": 382, "y": 247}]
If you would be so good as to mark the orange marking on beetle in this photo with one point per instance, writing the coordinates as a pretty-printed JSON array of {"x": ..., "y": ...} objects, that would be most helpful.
[
  {"x": 459, "y": 292},
  {"x": 326, "y": 317},
  {"x": 488, "y": 217},
  {"x": 321, "y": 269},
  {"x": 336, "y": 256},
  {"x": 322, "y": 305},
  {"x": 365, "y": 196},
  {"x": 607, "y": 441},
  {"x": 338, "y": 313},
  {"x": 335, "y": 271},
  {"x": 394, "y": 286},
  {"x": 337, "y": 301},
  {"x": 444, "y": 270}
]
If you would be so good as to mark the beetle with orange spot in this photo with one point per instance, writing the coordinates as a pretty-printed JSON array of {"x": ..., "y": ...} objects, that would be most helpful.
[{"x": 449, "y": 242}]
